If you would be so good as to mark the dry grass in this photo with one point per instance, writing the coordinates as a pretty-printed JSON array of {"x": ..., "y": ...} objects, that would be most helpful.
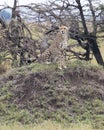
[{"x": 48, "y": 125}]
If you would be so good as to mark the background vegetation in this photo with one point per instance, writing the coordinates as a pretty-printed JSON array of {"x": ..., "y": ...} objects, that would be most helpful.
[{"x": 34, "y": 95}]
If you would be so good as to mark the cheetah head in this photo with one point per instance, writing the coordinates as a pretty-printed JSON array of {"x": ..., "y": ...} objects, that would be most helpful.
[{"x": 63, "y": 29}]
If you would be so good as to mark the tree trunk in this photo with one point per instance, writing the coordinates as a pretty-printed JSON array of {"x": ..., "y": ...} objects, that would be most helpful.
[
  {"x": 14, "y": 9},
  {"x": 92, "y": 38},
  {"x": 96, "y": 51}
]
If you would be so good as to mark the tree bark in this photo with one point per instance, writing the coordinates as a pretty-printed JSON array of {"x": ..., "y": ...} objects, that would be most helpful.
[
  {"x": 91, "y": 38},
  {"x": 14, "y": 9},
  {"x": 95, "y": 49}
]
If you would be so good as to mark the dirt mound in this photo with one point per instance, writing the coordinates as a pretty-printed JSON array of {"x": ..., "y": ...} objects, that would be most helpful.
[{"x": 76, "y": 93}]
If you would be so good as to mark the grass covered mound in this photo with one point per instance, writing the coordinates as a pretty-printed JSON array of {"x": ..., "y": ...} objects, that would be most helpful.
[
  {"x": 38, "y": 92},
  {"x": 47, "y": 125}
]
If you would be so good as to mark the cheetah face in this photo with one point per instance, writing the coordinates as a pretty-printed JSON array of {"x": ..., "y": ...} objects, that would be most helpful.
[{"x": 63, "y": 29}]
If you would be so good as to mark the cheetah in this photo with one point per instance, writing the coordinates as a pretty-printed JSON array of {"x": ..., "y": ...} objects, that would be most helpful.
[{"x": 57, "y": 49}]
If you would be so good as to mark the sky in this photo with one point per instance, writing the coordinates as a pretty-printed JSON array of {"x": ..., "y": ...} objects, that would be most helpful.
[
  {"x": 24, "y": 2},
  {"x": 21, "y": 2}
]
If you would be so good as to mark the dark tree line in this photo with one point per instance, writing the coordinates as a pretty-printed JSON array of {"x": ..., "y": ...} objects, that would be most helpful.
[{"x": 49, "y": 16}]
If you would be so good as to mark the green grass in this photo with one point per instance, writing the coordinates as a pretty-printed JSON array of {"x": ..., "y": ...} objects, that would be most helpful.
[
  {"x": 90, "y": 111},
  {"x": 48, "y": 125}
]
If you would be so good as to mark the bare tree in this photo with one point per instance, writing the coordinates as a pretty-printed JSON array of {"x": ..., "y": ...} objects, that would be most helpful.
[
  {"x": 49, "y": 16},
  {"x": 72, "y": 14},
  {"x": 16, "y": 36}
]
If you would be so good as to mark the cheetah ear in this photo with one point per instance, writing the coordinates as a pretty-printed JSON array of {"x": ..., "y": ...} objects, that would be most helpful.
[{"x": 63, "y": 27}]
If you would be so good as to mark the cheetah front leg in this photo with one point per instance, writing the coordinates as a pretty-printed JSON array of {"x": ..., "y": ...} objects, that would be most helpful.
[
  {"x": 61, "y": 61},
  {"x": 61, "y": 65}
]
